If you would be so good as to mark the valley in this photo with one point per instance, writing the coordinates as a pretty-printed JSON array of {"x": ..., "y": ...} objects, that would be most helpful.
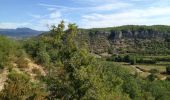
[
  {"x": 96, "y": 64},
  {"x": 84, "y": 50}
]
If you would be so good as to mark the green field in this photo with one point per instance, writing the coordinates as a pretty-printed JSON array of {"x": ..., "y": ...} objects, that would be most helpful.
[{"x": 161, "y": 67}]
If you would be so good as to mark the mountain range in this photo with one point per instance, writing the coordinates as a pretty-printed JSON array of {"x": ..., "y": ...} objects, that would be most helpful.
[{"x": 20, "y": 32}]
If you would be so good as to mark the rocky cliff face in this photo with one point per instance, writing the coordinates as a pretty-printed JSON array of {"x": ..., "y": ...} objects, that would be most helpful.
[
  {"x": 144, "y": 34},
  {"x": 126, "y": 39}
]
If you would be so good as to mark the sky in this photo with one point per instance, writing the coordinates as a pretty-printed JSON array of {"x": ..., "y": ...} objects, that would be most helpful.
[{"x": 41, "y": 14}]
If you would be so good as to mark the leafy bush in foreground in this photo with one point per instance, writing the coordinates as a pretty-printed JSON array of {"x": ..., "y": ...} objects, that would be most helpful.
[{"x": 19, "y": 87}]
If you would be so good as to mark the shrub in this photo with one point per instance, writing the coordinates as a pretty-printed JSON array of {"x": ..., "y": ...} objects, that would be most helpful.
[
  {"x": 22, "y": 62},
  {"x": 8, "y": 49},
  {"x": 154, "y": 71},
  {"x": 127, "y": 58},
  {"x": 43, "y": 58},
  {"x": 147, "y": 61},
  {"x": 152, "y": 77},
  {"x": 168, "y": 78},
  {"x": 112, "y": 58},
  {"x": 1, "y": 66},
  {"x": 133, "y": 60},
  {"x": 168, "y": 69},
  {"x": 119, "y": 58},
  {"x": 36, "y": 71},
  {"x": 19, "y": 87}
]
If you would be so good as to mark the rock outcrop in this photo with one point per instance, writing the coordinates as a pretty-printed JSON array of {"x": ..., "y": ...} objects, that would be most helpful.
[{"x": 127, "y": 39}]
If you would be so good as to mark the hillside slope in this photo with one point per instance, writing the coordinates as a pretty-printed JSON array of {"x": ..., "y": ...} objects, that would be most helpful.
[
  {"x": 32, "y": 69},
  {"x": 127, "y": 39}
]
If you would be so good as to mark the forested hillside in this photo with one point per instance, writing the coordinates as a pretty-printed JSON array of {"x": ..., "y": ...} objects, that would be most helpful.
[
  {"x": 61, "y": 65},
  {"x": 127, "y": 39}
]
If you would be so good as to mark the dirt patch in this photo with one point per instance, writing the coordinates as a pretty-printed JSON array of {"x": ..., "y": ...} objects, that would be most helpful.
[{"x": 3, "y": 78}]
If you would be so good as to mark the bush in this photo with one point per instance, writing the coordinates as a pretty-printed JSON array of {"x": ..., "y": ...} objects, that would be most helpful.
[
  {"x": 127, "y": 58},
  {"x": 152, "y": 77},
  {"x": 168, "y": 69},
  {"x": 22, "y": 62},
  {"x": 43, "y": 58},
  {"x": 132, "y": 59},
  {"x": 36, "y": 71},
  {"x": 168, "y": 78},
  {"x": 1, "y": 66},
  {"x": 8, "y": 49},
  {"x": 116, "y": 58},
  {"x": 147, "y": 61},
  {"x": 19, "y": 87},
  {"x": 154, "y": 71}
]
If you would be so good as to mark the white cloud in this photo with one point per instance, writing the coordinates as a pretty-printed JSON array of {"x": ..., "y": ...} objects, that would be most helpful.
[
  {"x": 34, "y": 15},
  {"x": 51, "y": 9},
  {"x": 102, "y": 7},
  {"x": 55, "y": 6},
  {"x": 109, "y": 6},
  {"x": 100, "y": 13},
  {"x": 52, "y": 18},
  {"x": 149, "y": 16},
  {"x": 10, "y": 25},
  {"x": 96, "y": 1},
  {"x": 55, "y": 14},
  {"x": 94, "y": 16}
]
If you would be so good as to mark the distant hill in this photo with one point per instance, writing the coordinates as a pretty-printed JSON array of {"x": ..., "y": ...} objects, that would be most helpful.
[
  {"x": 127, "y": 39},
  {"x": 20, "y": 32},
  {"x": 141, "y": 39}
]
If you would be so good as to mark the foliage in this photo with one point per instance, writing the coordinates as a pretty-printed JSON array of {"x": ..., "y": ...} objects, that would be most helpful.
[
  {"x": 36, "y": 71},
  {"x": 22, "y": 62},
  {"x": 154, "y": 71},
  {"x": 152, "y": 77},
  {"x": 18, "y": 87},
  {"x": 159, "y": 89},
  {"x": 168, "y": 69},
  {"x": 8, "y": 49},
  {"x": 139, "y": 39},
  {"x": 132, "y": 59},
  {"x": 73, "y": 73}
]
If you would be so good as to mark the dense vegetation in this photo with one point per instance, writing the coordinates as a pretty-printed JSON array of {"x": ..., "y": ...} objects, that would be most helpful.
[
  {"x": 8, "y": 49},
  {"x": 145, "y": 40},
  {"x": 72, "y": 72}
]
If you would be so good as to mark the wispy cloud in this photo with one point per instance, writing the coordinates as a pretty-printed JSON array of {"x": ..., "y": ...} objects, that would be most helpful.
[
  {"x": 108, "y": 13},
  {"x": 57, "y": 12},
  {"x": 12, "y": 25},
  {"x": 55, "y": 6},
  {"x": 148, "y": 16},
  {"x": 97, "y": 13},
  {"x": 103, "y": 7},
  {"x": 34, "y": 15}
]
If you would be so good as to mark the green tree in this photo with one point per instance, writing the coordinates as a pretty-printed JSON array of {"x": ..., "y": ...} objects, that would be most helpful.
[
  {"x": 133, "y": 59},
  {"x": 168, "y": 69},
  {"x": 43, "y": 58},
  {"x": 76, "y": 75}
]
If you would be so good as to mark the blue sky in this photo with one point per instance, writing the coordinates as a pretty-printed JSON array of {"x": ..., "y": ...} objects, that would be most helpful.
[{"x": 40, "y": 14}]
